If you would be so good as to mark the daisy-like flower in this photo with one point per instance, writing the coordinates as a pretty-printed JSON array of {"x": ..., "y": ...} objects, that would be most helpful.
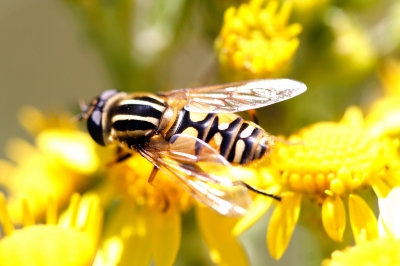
[
  {"x": 62, "y": 162},
  {"x": 328, "y": 163},
  {"x": 146, "y": 223},
  {"x": 382, "y": 251},
  {"x": 70, "y": 241},
  {"x": 255, "y": 40}
]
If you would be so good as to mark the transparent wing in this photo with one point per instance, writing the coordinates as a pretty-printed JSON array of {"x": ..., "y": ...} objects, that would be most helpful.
[
  {"x": 236, "y": 97},
  {"x": 201, "y": 171}
]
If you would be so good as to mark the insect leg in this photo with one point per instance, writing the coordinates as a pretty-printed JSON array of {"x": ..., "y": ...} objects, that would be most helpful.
[
  {"x": 153, "y": 175},
  {"x": 259, "y": 191},
  {"x": 150, "y": 180},
  {"x": 121, "y": 156},
  {"x": 253, "y": 115}
]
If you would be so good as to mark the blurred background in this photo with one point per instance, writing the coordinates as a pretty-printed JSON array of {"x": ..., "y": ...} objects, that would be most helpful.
[
  {"x": 47, "y": 61},
  {"x": 43, "y": 62}
]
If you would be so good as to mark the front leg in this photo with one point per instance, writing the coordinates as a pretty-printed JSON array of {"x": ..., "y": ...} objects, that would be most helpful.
[
  {"x": 152, "y": 175},
  {"x": 121, "y": 156}
]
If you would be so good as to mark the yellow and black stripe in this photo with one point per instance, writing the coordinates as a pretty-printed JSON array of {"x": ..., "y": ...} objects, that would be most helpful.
[
  {"x": 137, "y": 117},
  {"x": 239, "y": 141}
]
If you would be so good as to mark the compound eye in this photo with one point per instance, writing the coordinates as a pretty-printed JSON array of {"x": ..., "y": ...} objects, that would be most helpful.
[
  {"x": 95, "y": 126},
  {"x": 105, "y": 95}
]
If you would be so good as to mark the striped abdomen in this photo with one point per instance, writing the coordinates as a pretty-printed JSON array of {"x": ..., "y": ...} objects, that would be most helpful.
[
  {"x": 238, "y": 141},
  {"x": 138, "y": 117}
]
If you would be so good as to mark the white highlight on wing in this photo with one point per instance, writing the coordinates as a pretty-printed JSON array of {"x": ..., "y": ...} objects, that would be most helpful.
[{"x": 239, "y": 96}]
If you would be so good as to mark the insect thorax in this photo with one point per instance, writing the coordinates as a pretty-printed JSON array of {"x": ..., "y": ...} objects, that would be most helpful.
[
  {"x": 239, "y": 141},
  {"x": 137, "y": 116}
]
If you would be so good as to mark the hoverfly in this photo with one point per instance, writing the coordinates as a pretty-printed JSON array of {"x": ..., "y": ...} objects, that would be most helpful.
[{"x": 188, "y": 132}]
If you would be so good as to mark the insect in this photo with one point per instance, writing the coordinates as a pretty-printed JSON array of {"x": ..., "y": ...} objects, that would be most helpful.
[{"x": 193, "y": 134}]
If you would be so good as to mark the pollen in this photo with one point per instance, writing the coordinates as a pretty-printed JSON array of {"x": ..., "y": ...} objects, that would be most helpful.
[
  {"x": 162, "y": 193},
  {"x": 256, "y": 41},
  {"x": 379, "y": 252},
  {"x": 331, "y": 159}
]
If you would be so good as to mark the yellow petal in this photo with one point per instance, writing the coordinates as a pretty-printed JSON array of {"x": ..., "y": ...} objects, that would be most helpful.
[
  {"x": 353, "y": 117},
  {"x": 380, "y": 187},
  {"x": 73, "y": 148},
  {"x": 5, "y": 218},
  {"x": 384, "y": 118},
  {"x": 362, "y": 219},
  {"x": 217, "y": 232},
  {"x": 129, "y": 231},
  {"x": 282, "y": 224},
  {"x": 334, "y": 217},
  {"x": 110, "y": 253},
  {"x": 167, "y": 237},
  {"x": 389, "y": 212},
  {"x": 47, "y": 245},
  {"x": 259, "y": 206},
  {"x": 138, "y": 239},
  {"x": 85, "y": 214}
]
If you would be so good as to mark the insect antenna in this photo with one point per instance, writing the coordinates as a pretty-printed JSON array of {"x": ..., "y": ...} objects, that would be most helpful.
[
  {"x": 84, "y": 108},
  {"x": 259, "y": 191}
]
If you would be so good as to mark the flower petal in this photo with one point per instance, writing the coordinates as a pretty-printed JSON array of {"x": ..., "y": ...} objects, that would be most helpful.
[
  {"x": 73, "y": 148},
  {"x": 384, "y": 118},
  {"x": 217, "y": 231},
  {"x": 334, "y": 217},
  {"x": 259, "y": 206},
  {"x": 390, "y": 213},
  {"x": 132, "y": 228},
  {"x": 282, "y": 224},
  {"x": 362, "y": 219},
  {"x": 167, "y": 237},
  {"x": 380, "y": 187},
  {"x": 47, "y": 245}
]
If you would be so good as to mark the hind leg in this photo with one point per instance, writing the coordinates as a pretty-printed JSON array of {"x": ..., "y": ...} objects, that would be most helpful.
[{"x": 253, "y": 116}]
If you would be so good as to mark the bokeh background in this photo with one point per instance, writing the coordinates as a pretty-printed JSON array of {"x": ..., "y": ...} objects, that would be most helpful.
[
  {"x": 43, "y": 62},
  {"x": 47, "y": 61}
]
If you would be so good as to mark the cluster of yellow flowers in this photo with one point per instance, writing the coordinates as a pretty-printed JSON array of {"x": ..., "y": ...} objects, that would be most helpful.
[
  {"x": 121, "y": 219},
  {"x": 255, "y": 40}
]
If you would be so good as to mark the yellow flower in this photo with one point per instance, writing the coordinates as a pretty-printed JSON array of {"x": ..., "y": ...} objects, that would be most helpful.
[
  {"x": 378, "y": 252},
  {"x": 384, "y": 117},
  {"x": 62, "y": 162},
  {"x": 352, "y": 46},
  {"x": 72, "y": 241},
  {"x": 255, "y": 40},
  {"x": 328, "y": 163},
  {"x": 382, "y": 251},
  {"x": 146, "y": 222}
]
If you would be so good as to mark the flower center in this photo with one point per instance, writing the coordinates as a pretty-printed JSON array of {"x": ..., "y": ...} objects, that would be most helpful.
[
  {"x": 132, "y": 179},
  {"x": 328, "y": 156}
]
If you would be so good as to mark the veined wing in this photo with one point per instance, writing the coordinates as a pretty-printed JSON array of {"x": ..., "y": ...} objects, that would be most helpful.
[
  {"x": 238, "y": 96},
  {"x": 202, "y": 172}
]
